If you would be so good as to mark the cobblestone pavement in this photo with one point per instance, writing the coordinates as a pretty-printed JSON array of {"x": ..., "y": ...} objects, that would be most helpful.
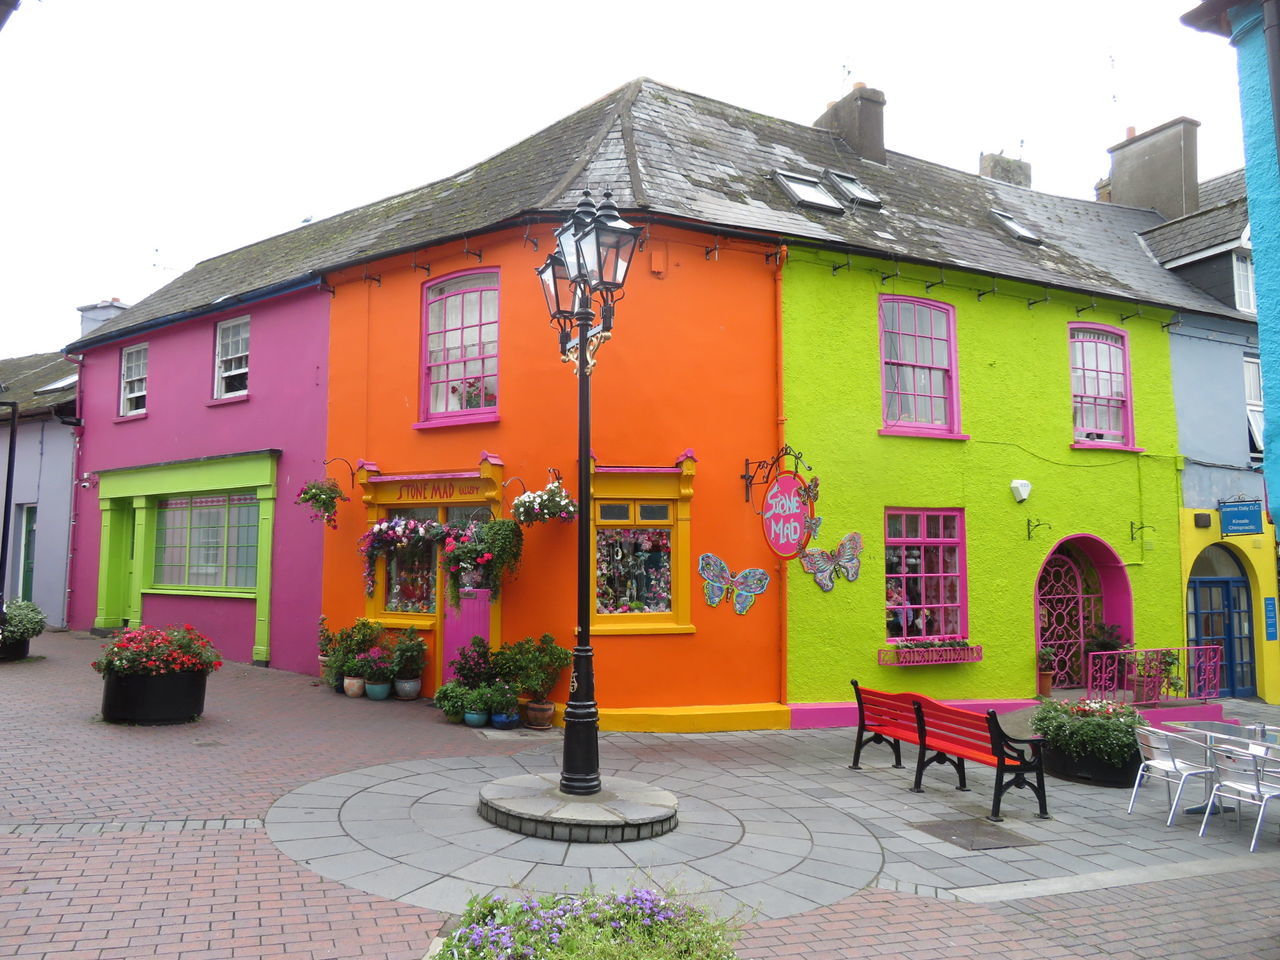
[{"x": 294, "y": 822}]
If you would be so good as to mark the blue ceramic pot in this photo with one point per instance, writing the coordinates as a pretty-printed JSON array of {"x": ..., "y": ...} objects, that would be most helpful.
[
  {"x": 377, "y": 691},
  {"x": 473, "y": 719},
  {"x": 505, "y": 721}
]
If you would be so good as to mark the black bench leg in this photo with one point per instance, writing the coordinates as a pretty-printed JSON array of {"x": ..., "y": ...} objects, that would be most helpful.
[
  {"x": 897, "y": 754},
  {"x": 857, "y": 750},
  {"x": 996, "y": 797},
  {"x": 921, "y": 763},
  {"x": 960, "y": 770},
  {"x": 1039, "y": 789}
]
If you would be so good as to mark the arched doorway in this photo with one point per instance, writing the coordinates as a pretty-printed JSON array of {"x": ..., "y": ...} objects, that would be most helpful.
[
  {"x": 1220, "y": 613},
  {"x": 1082, "y": 584}
]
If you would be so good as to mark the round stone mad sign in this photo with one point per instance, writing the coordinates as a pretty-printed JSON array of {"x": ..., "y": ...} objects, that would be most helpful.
[{"x": 784, "y": 516}]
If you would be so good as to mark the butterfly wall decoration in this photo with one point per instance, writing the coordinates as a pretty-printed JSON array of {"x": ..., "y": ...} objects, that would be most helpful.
[
  {"x": 809, "y": 491},
  {"x": 743, "y": 587},
  {"x": 824, "y": 565}
]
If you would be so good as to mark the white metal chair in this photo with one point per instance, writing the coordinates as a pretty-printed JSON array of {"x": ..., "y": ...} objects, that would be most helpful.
[
  {"x": 1160, "y": 762},
  {"x": 1250, "y": 775}
]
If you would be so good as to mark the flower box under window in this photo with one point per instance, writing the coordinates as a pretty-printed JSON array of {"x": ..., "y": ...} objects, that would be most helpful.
[{"x": 924, "y": 656}]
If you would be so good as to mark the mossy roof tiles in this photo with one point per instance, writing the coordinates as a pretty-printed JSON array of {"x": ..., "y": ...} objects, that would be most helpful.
[{"x": 670, "y": 152}]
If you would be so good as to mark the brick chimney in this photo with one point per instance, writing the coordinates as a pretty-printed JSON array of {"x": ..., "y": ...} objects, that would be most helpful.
[
  {"x": 94, "y": 315},
  {"x": 996, "y": 166},
  {"x": 1158, "y": 169},
  {"x": 858, "y": 119}
]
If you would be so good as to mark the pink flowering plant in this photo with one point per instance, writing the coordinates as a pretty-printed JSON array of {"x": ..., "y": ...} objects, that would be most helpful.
[
  {"x": 542, "y": 506},
  {"x": 1103, "y": 729},
  {"x": 151, "y": 651},
  {"x": 600, "y": 926},
  {"x": 375, "y": 665},
  {"x": 322, "y": 496}
]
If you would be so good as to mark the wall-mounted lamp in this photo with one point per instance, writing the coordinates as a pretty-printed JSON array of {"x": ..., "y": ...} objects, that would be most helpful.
[{"x": 1021, "y": 490}]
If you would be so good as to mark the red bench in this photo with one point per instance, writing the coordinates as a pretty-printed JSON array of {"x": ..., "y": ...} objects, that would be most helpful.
[{"x": 948, "y": 735}]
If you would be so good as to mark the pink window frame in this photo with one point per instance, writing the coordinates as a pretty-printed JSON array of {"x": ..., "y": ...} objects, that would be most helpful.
[
  {"x": 430, "y": 418},
  {"x": 905, "y": 429},
  {"x": 962, "y": 561},
  {"x": 1127, "y": 441}
]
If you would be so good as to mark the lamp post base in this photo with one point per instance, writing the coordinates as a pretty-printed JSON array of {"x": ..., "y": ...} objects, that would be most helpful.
[{"x": 623, "y": 810}]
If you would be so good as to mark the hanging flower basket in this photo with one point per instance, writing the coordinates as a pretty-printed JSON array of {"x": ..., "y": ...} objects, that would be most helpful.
[
  {"x": 322, "y": 496},
  {"x": 477, "y": 555},
  {"x": 541, "y": 506},
  {"x": 919, "y": 656}
]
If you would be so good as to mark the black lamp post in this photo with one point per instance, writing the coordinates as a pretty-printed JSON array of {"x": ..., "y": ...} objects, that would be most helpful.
[
  {"x": 594, "y": 248},
  {"x": 8, "y": 503}
]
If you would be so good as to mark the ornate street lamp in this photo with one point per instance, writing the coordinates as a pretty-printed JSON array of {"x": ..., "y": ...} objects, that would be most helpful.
[{"x": 594, "y": 249}]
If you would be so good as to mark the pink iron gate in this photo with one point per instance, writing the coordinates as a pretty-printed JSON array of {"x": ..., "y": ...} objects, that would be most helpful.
[{"x": 1068, "y": 603}]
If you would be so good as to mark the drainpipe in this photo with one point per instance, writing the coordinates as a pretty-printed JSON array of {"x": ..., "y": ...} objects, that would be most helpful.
[
  {"x": 782, "y": 439},
  {"x": 1271, "y": 35},
  {"x": 8, "y": 506},
  {"x": 77, "y": 434}
]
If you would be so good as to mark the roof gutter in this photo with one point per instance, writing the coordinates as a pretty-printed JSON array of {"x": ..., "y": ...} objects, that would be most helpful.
[{"x": 310, "y": 281}]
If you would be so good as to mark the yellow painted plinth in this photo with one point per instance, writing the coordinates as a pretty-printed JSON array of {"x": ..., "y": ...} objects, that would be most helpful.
[{"x": 708, "y": 719}]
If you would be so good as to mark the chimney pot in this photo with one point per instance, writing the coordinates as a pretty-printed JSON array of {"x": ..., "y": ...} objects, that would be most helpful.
[
  {"x": 858, "y": 119},
  {"x": 1130, "y": 132}
]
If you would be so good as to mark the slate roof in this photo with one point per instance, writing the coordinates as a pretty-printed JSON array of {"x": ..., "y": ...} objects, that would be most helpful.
[
  {"x": 668, "y": 152},
  {"x": 25, "y": 375},
  {"x": 1222, "y": 217}
]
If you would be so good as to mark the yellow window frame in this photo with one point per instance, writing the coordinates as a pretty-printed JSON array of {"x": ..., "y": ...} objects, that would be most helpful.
[{"x": 671, "y": 487}]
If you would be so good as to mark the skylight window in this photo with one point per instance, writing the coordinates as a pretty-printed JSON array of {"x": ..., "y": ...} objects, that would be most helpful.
[
  {"x": 58, "y": 384},
  {"x": 852, "y": 189},
  {"x": 808, "y": 191},
  {"x": 1016, "y": 230}
]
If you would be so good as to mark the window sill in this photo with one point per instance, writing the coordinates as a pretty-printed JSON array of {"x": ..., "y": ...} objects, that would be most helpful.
[
  {"x": 130, "y": 418},
  {"x": 202, "y": 592},
  {"x": 403, "y": 621},
  {"x": 1123, "y": 448},
  {"x": 223, "y": 401},
  {"x": 485, "y": 416},
  {"x": 929, "y": 435},
  {"x": 638, "y": 629},
  {"x": 895, "y": 657}
]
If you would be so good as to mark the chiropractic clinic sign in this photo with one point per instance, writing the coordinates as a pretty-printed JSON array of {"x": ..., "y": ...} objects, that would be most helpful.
[{"x": 788, "y": 509}]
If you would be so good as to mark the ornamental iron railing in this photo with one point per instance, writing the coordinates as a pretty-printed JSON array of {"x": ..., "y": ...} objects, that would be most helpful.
[{"x": 1154, "y": 675}]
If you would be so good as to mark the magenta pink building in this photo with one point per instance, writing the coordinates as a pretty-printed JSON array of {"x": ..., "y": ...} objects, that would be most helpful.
[{"x": 199, "y": 429}]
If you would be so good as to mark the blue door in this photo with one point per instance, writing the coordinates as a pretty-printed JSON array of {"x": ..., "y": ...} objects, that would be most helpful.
[{"x": 1220, "y": 613}]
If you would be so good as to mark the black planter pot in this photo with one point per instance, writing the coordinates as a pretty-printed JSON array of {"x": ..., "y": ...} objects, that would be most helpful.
[
  {"x": 15, "y": 649},
  {"x": 167, "y": 698},
  {"x": 1090, "y": 770}
]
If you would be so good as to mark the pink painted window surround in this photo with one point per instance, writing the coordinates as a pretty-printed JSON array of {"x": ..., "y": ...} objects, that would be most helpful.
[
  {"x": 926, "y": 593},
  {"x": 460, "y": 349},
  {"x": 921, "y": 395},
  {"x": 1101, "y": 411}
]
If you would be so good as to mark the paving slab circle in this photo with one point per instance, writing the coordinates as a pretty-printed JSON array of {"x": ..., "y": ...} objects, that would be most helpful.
[{"x": 412, "y": 832}]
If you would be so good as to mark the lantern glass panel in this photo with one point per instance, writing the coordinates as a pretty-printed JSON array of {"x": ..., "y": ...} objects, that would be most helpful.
[{"x": 567, "y": 247}]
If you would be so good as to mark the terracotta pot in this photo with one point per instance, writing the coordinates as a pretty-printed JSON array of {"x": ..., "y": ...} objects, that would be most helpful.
[
  {"x": 353, "y": 686},
  {"x": 539, "y": 714},
  {"x": 1044, "y": 683}
]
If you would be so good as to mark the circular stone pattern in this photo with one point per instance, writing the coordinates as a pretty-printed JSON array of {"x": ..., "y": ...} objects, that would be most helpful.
[{"x": 623, "y": 811}]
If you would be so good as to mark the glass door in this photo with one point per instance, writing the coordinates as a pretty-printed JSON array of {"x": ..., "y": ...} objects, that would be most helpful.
[{"x": 28, "y": 552}]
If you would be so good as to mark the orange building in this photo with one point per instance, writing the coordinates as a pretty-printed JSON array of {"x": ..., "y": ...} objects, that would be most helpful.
[{"x": 448, "y": 395}]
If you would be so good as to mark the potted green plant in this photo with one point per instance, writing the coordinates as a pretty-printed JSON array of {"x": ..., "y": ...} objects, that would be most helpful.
[
  {"x": 377, "y": 671},
  {"x": 1044, "y": 671},
  {"x": 475, "y": 706},
  {"x": 451, "y": 699},
  {"x": 25, "y": 620},
  {"x": 353, "y": 675},
  {"x": 473, "y": 666},
  {"x": 154, "y": 675},
  {"x": 504, "y": 705},
  {"x": 343, "y": 645},
  {"x": 534, "y": 666},
  {"x": 409, "y": 659},
  {"x": 1092, "y": 741}
]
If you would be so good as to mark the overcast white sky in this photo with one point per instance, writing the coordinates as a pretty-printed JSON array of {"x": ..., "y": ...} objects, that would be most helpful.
[{"x": 141, "y": 136}]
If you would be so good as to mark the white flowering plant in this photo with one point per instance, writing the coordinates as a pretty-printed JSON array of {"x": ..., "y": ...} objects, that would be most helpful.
[{"x": 540, "y": 506}]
